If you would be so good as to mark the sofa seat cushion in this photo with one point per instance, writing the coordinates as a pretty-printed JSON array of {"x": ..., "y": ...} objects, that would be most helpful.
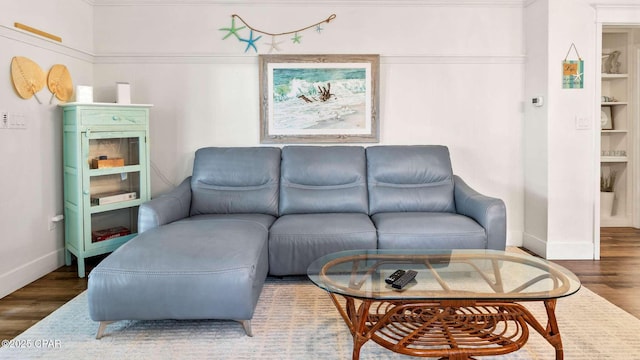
[
  {"x": 296, "y": 240},
  {"x": 428, "y": 230},
  {"x": 195, "y": 269}
]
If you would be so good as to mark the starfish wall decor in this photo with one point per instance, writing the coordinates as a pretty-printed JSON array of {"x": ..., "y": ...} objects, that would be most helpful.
[{"x": 274, "y": 44}]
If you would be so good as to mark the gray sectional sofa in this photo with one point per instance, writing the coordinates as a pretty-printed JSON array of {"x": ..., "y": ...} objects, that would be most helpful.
[{"x": 205, "y": 249}]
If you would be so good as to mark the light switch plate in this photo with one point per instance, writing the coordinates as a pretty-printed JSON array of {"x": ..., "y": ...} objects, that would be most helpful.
[{"x": 582, "y": 123}]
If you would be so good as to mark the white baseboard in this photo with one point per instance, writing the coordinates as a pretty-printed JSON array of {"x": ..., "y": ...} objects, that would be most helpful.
[
  {"x": 568, "y": 250},
  {"x": 537, "y": 245},
  {"x": 29, "y": 272}
]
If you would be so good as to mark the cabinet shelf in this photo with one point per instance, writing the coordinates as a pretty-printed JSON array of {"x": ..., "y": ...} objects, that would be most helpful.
[
  {"x": 606, "y": 76},
  {"x": 614, "y": 159},
  {"x": 96, "y": 209},
  {"x": 115, "y": 170}
]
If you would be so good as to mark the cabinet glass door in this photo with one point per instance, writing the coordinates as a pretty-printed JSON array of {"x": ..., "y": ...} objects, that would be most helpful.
[{"x": 113, "y": 185}]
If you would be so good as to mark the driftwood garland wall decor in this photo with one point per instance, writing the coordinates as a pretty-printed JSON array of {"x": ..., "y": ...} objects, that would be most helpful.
[{"x": 274, "y": 44}]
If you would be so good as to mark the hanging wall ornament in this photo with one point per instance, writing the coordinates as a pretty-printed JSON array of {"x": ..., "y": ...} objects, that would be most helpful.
[
  {"x": 59, "y": 83},
  {"x": 27, "y": 77},
  {"x": 274, "y": 44},
  {"x": 572, "y": 71}
]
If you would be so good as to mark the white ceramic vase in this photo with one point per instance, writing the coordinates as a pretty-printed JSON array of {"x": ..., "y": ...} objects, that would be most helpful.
[{"x": 606, "y": 203}]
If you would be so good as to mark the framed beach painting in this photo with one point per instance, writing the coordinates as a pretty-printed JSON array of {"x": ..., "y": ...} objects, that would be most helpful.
[{"x": 319, "y": 98}]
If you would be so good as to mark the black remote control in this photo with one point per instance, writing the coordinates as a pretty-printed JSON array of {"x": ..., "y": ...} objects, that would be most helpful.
[
  {"x": 404, "y": 279},
  {"x": 393, "y": 277}
]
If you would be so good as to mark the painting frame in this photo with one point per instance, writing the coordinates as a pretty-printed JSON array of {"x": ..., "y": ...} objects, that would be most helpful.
[
  {"x": 298, "y": 105},
  {"x": 606, "y": 118}
]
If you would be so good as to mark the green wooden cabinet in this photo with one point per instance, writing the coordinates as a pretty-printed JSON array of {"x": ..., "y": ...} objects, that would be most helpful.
[{"x": 106, "y": 176}]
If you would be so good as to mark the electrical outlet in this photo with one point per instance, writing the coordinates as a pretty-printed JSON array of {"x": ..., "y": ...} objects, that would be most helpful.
[{"x": 54, "y": 220}]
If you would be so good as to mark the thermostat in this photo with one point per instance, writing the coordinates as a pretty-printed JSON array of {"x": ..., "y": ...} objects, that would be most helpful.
[{"x": 537, "y": 101}]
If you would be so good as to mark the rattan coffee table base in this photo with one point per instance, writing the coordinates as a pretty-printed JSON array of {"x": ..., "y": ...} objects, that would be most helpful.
[{"x": 454, "y": 330}]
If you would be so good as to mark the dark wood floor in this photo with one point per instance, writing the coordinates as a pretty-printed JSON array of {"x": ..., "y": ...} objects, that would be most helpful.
[
  {"x": 615, "y": 277},
  {"x": 32, "y": 303}
]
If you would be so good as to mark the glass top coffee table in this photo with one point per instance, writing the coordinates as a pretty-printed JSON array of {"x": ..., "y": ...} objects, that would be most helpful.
[{"x": 461, "y": 303}]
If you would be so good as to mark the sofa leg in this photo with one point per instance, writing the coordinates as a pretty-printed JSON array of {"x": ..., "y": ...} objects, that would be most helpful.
[
  {"x": 246, "y": 324},
  {"x": 101, "y": 328}
]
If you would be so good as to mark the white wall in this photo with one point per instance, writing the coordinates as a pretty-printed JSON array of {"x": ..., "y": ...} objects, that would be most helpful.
[
  {"x": 451, "y": 73},
  {"x": 31, "y": 160},
  {"x": 572, "y": 174},
  {"x": 559, "y": 157},
  {"x": 536, "y": 144}
]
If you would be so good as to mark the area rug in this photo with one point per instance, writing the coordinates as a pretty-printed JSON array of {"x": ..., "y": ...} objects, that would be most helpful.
[{"x": 296, "y": 320}]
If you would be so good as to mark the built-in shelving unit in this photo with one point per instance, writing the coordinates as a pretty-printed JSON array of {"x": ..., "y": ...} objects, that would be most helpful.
[{"x": 617, "y": 136}]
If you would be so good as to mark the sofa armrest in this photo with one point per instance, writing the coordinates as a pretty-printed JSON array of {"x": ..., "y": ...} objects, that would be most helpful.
[
  {"x": 487, "y": 211},
  {"x": 172, "y": 206}
]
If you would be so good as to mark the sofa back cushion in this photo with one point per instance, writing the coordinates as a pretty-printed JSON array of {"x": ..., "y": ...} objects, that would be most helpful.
[
  {"x": 235, "y": 180},
  {"x": 409, "y": 178},
  {"x": 323, "y": 179}
]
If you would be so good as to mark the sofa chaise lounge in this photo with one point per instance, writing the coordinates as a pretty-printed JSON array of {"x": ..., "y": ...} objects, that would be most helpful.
[{"x": 205, "y": 248}]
